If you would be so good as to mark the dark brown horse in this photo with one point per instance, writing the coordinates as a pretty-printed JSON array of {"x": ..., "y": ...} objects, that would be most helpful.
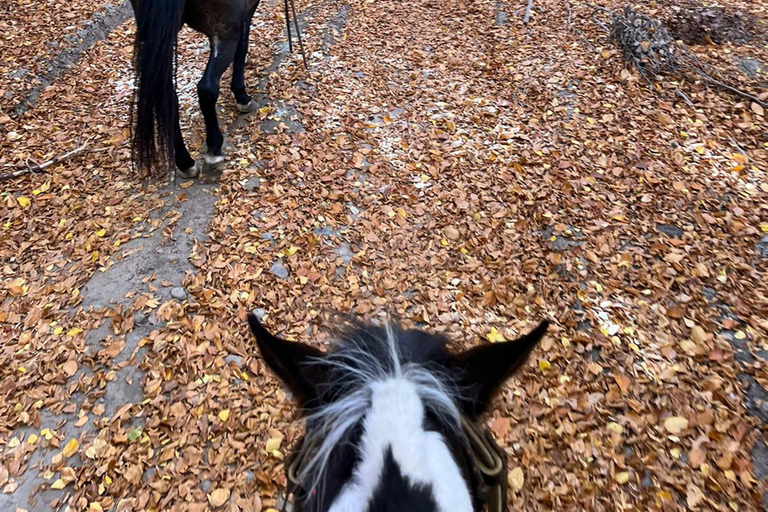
[{"x": 157, "y": 138}]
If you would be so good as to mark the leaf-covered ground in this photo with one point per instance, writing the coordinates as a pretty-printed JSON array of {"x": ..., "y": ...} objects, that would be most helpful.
[{"x": 441, "y": 162}]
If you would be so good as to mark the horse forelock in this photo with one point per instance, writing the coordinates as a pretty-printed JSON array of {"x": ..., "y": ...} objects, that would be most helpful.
[{"x": 365, "y": 360}]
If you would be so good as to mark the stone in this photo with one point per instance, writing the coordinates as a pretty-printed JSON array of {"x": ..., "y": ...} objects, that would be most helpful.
[
  {"x": 178, "y": 293},
  {"x": 670, "y": 230},
  {"x": 344, "y": 251},
  {"x": 279, "y": 270},
  {"x": 762, "y": 247}
]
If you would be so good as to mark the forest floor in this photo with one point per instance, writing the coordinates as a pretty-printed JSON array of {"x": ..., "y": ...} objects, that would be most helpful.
[{"x": 442, "y": 163}]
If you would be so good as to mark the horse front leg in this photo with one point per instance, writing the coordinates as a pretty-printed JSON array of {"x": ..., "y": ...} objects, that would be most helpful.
[
  {"x": 243, "y": 101},
  {"x": 222, "y": 53}
]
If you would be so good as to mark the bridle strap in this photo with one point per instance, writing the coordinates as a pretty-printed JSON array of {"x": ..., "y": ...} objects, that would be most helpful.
[{"x": 489, "y": 459}]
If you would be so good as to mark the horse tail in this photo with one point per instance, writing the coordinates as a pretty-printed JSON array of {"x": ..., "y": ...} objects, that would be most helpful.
[{"x": 156, "y": 107}]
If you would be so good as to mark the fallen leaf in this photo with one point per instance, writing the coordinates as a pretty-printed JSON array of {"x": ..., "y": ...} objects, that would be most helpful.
[
  {"x": 495, "y": 336},
  {"x": 70, "y": 367},
  {"x": 218, "y": 497},
  {"x": 70, "y": 448},
  {"x": 516, "y": 479},
  {"x": 675, "y": 424}
]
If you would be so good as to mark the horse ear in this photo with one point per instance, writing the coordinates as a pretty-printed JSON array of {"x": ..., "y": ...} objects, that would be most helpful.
[
  {"x": 485, "y": 368},
  {"x": 296, "y": 364}
]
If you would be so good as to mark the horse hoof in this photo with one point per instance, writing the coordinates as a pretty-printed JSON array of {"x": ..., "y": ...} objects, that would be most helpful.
[
  {"x": 212, "y": 168},
  {"x": 247, "y": 108},
  {"x": 190, "y": 172}
]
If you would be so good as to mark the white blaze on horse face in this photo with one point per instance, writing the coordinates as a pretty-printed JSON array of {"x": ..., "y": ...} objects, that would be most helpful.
[{"x": 396, "y": 421}]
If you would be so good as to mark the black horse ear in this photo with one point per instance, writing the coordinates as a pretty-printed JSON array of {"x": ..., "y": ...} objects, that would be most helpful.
[
  {"x": 298, "y": 365},
  {"x": 485, "y": 368}
]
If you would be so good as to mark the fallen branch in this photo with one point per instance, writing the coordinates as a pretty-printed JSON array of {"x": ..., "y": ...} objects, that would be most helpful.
[
  {"x": 734, "y": 90},
  {"x": 527, "y": 16},
  {"x": 41, "y": 167}
]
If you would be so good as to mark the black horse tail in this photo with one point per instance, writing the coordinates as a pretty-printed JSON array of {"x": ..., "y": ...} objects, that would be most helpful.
[{"x": 156, "y": 107}]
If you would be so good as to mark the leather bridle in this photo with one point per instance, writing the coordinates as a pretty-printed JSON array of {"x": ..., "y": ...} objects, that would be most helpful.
[{"x": 488, "y": 459}]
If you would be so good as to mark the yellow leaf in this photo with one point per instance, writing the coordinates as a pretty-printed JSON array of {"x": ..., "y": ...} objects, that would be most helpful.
[
  {"x": 32, "y": 439},
  {"x": 622, "y": 477},
  {"x": 544, "y": 365},
  {"x": 738, "y": 157},
  {"x": 495, "y": 336},
  {"x": 70, "y": 448},
  {"x": 101, "y": 232},
  {"x": 292, "y": 250},
  {"x": 58, "y": 330},
  {"x": 47, "y": 434},
  {"x": 14, "y": 442},
  {"x": 218, "y": 497},
  {"x": 615, "y": 428},
  {"x": 740, "y": 335},
  {"x": 95, "y": 506},
  {"x": 675, "y": 424},
  {"x": 74, "y": 331},
  {"x": 273, "y": 444},
  {"x": 516, "y": 479},
  {"x": 224, "y": 414},
  {"x": 58, "y": 484},
  {"x": 23, "y": 201}
]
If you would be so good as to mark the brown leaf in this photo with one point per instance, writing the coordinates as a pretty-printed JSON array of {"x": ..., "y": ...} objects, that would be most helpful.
[
  {"x": 70, "y": 367},
  {"x": 218, "y": 497}
]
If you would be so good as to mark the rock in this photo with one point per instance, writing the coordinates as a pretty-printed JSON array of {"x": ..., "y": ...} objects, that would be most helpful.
[
  {"x": 670, "y": 230},
  {"x": 647, "y": 480},
  {"x": 234, "y": 358},
  {"x": 267, "y": 236},
  {"x": 709, "y": 294},
  {"x": 762, "y": 247},
  {"x": 205, "y": 485},
  {"x": 139, "y": 318},
  {"x": 279, "y": 270},
  {"x": 344, "y": 251},
  {"x": 750, "y": 67},
  {"x": 178, "y": 293}
]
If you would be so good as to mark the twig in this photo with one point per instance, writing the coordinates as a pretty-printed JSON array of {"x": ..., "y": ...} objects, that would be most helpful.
[
  {"x": 598, "y": 22},
  {"x": 527, "y": 16},
  {"x": 736, "y": 145},
  {"x": 41, "y": 167},
  {"x": 685, "y": 99},
  {"x": 734, "y": 90},
  {"x": 572, "y": 28}
]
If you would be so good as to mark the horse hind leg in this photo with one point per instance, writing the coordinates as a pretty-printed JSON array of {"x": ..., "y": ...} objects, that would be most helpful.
[
  {"x": 222, "y": 53},
  {"x": 243, "y": 101},
  {"x": 185, "y": 164}
]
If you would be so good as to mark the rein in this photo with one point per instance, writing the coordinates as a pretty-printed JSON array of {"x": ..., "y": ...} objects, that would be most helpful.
[{"x": 489, "y": 460}]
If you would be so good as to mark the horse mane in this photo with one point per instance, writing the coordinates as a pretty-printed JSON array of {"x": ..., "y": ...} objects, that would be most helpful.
[{"x": 361, "y": 356}]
